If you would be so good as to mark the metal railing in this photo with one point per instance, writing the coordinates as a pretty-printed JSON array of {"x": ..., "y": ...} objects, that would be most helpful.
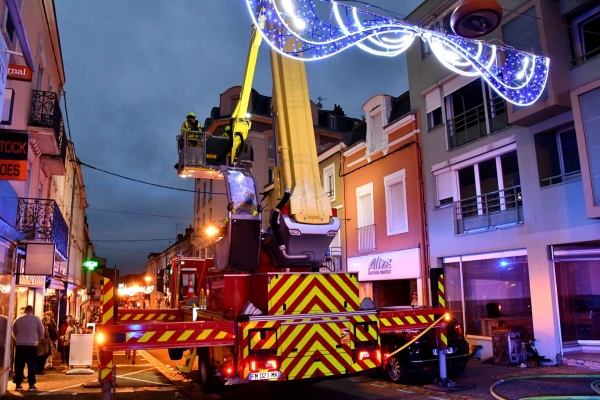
[
  {"x": 333, "y": 260},
  {"x": 471, "y": 125},
  {"x": 490, "y": 210},
  {"x": 553, "y": 180},
  {"x": 584, "y": 57},
  {"x": 366, "y": 238},
  {"x": 41, "y": 220}
]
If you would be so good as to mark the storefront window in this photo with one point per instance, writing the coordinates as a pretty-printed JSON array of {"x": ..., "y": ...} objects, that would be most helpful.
[
  {"x": 453, "y": 291},
  {"x": 578, "y": 286},
  {"x": 496, "y": 294}
]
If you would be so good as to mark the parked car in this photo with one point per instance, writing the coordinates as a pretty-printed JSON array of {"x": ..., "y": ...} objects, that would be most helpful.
[{"x": 421, "y": 356}]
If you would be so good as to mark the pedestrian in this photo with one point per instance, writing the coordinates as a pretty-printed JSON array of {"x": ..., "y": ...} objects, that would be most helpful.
[
  {"x": 61, "y": 341},
  {"x": 27, "y": 331},
  {"x": 50, "y": 324},
  {"x": 44, "y": 347},
  {"x": 71, "y": 329}
]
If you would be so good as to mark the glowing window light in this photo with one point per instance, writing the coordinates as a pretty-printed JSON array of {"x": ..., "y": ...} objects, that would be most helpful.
[{"x": 294, "y": 29}]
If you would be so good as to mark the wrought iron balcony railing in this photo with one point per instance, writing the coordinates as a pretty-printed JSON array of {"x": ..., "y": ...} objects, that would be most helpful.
[
  {"x": 491, "y": 210},
  {"x": 366, "y": 238},
  {"x": 41, "y": 220},
  {"x": 45, "y": 113}
]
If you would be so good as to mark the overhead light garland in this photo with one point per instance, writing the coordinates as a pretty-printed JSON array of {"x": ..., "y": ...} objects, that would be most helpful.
[{"x": 294, "y": 29}]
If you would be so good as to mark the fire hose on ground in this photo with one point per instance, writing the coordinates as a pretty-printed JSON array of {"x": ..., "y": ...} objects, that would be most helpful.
[{"x": 595, "y": 386}]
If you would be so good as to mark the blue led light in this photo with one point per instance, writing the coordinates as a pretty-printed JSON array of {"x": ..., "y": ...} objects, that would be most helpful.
[{"x": 293, "y": 28}]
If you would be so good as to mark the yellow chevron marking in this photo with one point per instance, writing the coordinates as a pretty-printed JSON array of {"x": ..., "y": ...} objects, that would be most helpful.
[
  {"x": 149, "y": 317},
  {"x": 431, "y": 317},
  {"x": 166, "y": 336},
  {"x": 351, "y": 291},
  {"x": 171, "y": 318},
  {"x": 185, "y": 335},
  {"x": 137, "y": 317},
  {"x": 125, "y": 317},
  {"x": 146, "y": 337},
  {"x": 330, "y": 357},
  {"x": 315, "y": 292},
  {"x": 422, "y": 319},
  {"x": 370, "y": 364},
  {"x": 271, "y": 342},
  {"x": 442, "y": 301},
  {"x": 411, "y": 320},
  {"x": 305, "y": 282},
  {"x": 398, "y": 321},
  {"x": 221, "y": 335},
  {"x": 386, "y": 322},
  {"x": 161, "y": 317},
  {"x": 283, "y": 290},
  {"x": 359, "y": 319},
  {"x": 441, "y": 287},
  {"x": 108, "y": 314},
  {"x": 444, "y": 338},
  {"x": 108, "y": 295},
  {"x": 295, "y": 331},
  {"x": 204, "y": 334}
]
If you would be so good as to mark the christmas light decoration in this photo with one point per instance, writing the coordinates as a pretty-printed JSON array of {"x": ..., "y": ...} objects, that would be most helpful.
[{"x": 294, "y": 29}]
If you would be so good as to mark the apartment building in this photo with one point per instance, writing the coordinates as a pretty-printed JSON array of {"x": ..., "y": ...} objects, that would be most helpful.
[{"x": 511, "y": 191}]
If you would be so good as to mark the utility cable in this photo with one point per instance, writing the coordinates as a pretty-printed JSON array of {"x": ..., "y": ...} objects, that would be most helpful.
[
  {"x": 130, "y": 240},
  {"x": 67, "y": 115},
  {"x": 144, "y": 182},
  {"x": 134, "y": 213}
]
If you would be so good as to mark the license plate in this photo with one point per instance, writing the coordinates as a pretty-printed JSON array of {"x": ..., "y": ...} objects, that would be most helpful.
[
  {"x": 259, "y": 376},
  {"x": 449, "y": 350}
]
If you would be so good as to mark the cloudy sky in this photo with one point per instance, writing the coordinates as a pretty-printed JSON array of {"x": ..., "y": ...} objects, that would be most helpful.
[{"x": 135, "y": 68}]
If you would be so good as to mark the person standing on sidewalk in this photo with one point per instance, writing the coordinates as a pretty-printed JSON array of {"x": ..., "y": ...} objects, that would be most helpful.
[
  {"x": 72, "y": 329},
  {"x": 27, "y": 331},
  {"x": 61, "y": 341}
]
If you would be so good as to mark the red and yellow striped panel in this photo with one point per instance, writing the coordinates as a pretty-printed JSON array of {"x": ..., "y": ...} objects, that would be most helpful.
[
  {"x": 178, "y": 337},
  {"x": 254, "y": 343},
  {"x": 312, "y": 293},
  {"x": 400, "y": 320},
  {"x": 105, "y": 366},
  {"x": 266, "y": 340},
  {"x": 107, "y": 302},
  {"x": 441, "y": 291},
  {"x": 163, "y": 315},
  {"x": 366, "y": 328}
]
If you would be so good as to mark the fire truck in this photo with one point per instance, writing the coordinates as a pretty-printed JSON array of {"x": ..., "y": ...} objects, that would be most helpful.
[{"x": 261, "y": 309}]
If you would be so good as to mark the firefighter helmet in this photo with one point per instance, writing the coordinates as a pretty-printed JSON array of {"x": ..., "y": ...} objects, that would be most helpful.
[{"x": 191, "y": 114}]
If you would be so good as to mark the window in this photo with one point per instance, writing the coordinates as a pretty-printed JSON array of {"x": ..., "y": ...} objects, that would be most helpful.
[
  {"x": 234, "y": 102},
  {"x": 590, "y": 115},
  {"x": 434, "y": 118},
  {"x": 375, "y": 130},
  {"x": 365, "y": 217},
  {"x": 473, "y": 111},
  {"x": 494, "y": 292},
  {"x": 332, "y": 123},
  {"x": 586, "y": 36},
  {"x": 329, "y": 181},
  {"x": 489, "y": 194},
  {"x": 210, "y": 193},
  {"x": 557, "y": 156},
  {"x": 270, "y": 178},
  {"x": 204, "y": 194},
  {"x": 10, "y": 30},
  {"x": 395, "y": 203},
  {"x": 271, "y": 151}
]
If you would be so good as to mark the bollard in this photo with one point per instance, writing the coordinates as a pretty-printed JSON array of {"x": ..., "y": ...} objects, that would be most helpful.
[{"x": 442, "y": 360}]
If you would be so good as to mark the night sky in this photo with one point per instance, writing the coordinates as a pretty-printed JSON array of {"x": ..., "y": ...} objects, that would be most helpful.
[{"x": 134, "y": 69}]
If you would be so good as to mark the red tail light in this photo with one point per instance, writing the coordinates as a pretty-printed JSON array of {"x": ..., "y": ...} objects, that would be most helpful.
[
  {"x": 379, "y": 356},
  {"x": 271, "y": 364},
  {"x": 363, "y": 355},
  {"x": 229, "y": 370},
  {"x": 253, "y": 366},
  {"x": 458, "y": 329}
]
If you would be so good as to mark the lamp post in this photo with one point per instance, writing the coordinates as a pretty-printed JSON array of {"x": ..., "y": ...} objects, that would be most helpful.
[{"x": 147, "y": 278}]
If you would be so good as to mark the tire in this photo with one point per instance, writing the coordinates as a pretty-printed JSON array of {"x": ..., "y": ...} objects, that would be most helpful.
[
  {"x": 206, "y": 373},
  {"x": 457, "y": 370},
  {"x": 394, "y": 370}
]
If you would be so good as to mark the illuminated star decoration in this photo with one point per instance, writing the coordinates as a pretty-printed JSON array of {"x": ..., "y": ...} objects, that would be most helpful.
[{"x": 293, "y": 28}]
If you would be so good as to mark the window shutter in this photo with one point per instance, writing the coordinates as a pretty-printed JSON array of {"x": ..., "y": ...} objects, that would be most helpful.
[
  {"x": 433, "y": 100},
  {"x": 444, "y": 186}
]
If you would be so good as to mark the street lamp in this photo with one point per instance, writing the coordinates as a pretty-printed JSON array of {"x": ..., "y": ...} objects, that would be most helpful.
[
  {"x": 211, "y": 230},
  {"x": 147, "y": 278}
]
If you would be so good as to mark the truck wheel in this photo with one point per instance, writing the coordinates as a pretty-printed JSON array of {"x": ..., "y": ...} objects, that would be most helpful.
[
  {"x": 394, "y": 369},
  {"x": 176, "y": 354},
  {"x": 206, "y": 372}
]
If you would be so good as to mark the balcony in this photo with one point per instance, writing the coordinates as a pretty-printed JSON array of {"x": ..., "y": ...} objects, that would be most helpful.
[
  {"x": 500, "y": 209},
  {"x": 40, "y": 220},
  {"x": 46, "y": 127},
  {"x": 366, "y": 238},
  {"x": 473, "y": 124}
]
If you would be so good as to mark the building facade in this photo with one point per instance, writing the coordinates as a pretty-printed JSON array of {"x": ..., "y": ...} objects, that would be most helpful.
[
  {"x": 384, "y": 234},
  {"x": 510, "y": 190}
]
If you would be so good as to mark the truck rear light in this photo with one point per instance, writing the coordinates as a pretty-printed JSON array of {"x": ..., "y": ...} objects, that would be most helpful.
[
  {"x": 264, "y": 365},
  {"x": 253, "y": 366},
  {"x": 271, "y": 364},
  {"x": 378, "y": 353},
  {"x": 295, "y": 232},
  {"x": 363, "y": 355},
  {"x": 229, "y": 371}
]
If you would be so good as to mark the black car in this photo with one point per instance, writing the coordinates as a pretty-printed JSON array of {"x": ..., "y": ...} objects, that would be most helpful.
[{"x": 421, "y": 356}]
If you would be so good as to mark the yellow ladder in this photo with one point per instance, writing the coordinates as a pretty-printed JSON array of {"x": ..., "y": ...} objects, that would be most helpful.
[{"x": 189, "y": 363}]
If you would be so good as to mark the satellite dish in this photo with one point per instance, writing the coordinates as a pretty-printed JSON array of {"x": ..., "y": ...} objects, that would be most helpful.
[{"x": 475, "y": 18}]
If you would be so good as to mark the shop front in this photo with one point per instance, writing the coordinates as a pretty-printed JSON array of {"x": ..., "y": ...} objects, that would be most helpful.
[
  {"x": 577, "y": 271},
  {"x": 389, "y": 278},
  {"x": 489, "y": 292}
]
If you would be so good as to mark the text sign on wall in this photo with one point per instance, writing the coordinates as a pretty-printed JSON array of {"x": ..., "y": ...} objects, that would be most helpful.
[
  {"x": 19, "y": 72},
  {"x": 13, "y": 156},
  {"x": 401, "y": 264}
]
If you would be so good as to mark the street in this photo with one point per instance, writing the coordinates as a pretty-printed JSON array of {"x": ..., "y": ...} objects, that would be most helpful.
[{"x": 154, "y": 376}]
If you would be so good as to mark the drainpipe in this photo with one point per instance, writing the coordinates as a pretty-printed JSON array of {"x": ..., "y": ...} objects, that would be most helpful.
[{"x": 71, "y": 218}]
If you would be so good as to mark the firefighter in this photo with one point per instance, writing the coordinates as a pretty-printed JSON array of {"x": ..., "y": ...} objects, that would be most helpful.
[
  {"x": 192, "y": 126},
  {"x": 194, "y": 132},
  {"x": 247, "y": 206},
  {"x": 227, "y": 132}
]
